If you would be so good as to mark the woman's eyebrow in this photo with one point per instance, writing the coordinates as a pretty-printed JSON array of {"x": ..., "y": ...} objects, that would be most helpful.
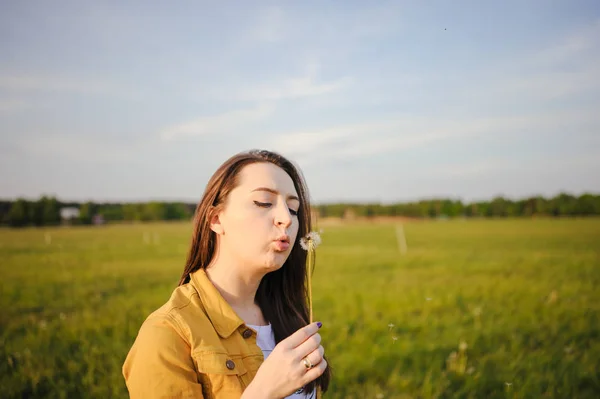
[{"x": 270, "y": 190}]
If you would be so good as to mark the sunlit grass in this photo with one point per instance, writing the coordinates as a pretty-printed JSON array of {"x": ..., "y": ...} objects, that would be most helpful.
[{"x": 519, "y": 294}]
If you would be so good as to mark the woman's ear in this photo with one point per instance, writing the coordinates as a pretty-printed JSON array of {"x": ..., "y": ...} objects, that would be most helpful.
[{"x": 215, "y": 223}]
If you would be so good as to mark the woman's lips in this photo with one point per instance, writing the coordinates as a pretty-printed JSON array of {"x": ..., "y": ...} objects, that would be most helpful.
[{"x": 281, "y": 245}]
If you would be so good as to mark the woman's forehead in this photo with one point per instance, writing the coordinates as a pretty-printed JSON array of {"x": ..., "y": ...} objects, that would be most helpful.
[{"x": 266, "y": 175}]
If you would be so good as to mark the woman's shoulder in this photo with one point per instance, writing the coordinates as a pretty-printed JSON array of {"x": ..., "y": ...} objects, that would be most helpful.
[{"x": 183, "y": 312}]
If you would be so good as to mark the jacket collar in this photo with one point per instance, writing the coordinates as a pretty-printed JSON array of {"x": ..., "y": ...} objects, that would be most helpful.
[{"x": 220, "y": 313}]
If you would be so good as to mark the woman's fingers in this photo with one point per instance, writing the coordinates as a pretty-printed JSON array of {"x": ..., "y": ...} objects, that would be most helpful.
[
  {"x": 316, "y": 356},
  {"x": 308, "y": 346},
  {"x": 315, "y": 372},
  {"x": 301, "y": 335}
]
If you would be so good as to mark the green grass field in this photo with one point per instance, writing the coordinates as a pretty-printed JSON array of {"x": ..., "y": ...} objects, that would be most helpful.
[{"x": 521, "y": 296}]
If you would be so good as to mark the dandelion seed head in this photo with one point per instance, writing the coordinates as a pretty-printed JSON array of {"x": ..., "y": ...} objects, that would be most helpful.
[
  {"x": 304, "y": 244},
  {"x": 315, "y": 237},
  {"x": 312, "y": 239},
  {"x": 391, "y": 325}
]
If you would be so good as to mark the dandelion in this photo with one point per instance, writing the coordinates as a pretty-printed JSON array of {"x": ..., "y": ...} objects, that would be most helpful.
[
  {"x": 391, "y": 326},
  {"x": 394, "y": 339},
  {"x": 309, "y": 244},
  {"x": 313, "y": 238}
]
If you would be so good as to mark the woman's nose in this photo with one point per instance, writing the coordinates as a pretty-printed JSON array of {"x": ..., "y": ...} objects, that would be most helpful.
[{"x": 283, "y": 216}]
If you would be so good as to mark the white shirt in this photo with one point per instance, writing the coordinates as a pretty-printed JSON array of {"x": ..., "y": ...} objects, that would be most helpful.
[{"x": 265, "y": 339}]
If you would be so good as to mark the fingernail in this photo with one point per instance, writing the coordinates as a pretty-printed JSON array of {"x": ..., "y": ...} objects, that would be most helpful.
[{"x": 319, "y": 324}]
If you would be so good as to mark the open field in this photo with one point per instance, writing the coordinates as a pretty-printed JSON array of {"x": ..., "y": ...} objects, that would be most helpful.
[{"x": 521, "y": 295}]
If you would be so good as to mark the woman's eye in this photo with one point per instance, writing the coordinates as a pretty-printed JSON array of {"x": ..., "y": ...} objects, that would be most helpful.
[{"x": 268, "y": 205}]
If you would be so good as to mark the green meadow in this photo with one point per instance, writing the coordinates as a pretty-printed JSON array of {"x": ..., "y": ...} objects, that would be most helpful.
[{"x": 472, "y": 309}]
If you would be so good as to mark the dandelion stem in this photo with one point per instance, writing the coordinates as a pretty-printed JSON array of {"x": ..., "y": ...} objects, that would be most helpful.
[{"x": 310, "y": 264}]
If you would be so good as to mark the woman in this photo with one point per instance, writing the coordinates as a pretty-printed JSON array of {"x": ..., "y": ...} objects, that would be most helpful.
[{"x": 237, "y": 324}]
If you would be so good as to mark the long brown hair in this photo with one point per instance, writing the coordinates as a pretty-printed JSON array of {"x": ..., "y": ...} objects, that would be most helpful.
[{"x": 282, "y": 294}]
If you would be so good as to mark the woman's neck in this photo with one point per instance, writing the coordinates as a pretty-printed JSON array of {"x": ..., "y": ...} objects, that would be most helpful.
[{"x": 238, "y": 290}]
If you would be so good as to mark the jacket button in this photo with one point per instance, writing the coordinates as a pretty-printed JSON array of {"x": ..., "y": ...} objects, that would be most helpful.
[
  {"x": 247, "y": 333},
  {"x": 230, "y": 364}
]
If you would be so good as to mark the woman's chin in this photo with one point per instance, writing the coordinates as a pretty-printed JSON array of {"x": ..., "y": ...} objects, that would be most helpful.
[
  {"x": 274, "y": 264},
  {"x": 271, "y": 267},
  {"x": 276, "y": 260}
]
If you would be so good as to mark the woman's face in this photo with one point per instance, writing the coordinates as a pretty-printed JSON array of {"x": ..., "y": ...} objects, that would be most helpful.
[{"x": 258, "y": 225}]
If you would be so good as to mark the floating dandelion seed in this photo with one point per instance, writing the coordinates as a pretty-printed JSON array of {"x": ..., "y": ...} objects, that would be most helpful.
[
  {"x": 508, "y": 384},
  {"x": 428, "y": 299},
  {"x": 394, "y": 339},
  {"x": 309, "y": 244},
  {"x": 462, "y": 346},
  {"x": 390, "y": 326}
]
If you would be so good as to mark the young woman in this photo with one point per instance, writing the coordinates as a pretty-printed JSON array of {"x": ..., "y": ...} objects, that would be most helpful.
[{"x": 237, "y": 324}]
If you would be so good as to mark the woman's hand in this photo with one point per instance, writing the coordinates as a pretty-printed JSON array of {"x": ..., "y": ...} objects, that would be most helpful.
[{"x": 285, "y": 370}]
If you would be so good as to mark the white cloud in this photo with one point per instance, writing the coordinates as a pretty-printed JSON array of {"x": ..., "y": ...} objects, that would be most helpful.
[
  {"x": 218, "y": 124},
  {"x": 306, "y": 85},
  {"x": 292, "y": 88},
  {"x": 535, "y": 164},
  {"x": 77, "y": 148},
  {"x": 572, "y": 45},
  {"x": 33, "y": 82},
  {"x": 398, "y": 134}
]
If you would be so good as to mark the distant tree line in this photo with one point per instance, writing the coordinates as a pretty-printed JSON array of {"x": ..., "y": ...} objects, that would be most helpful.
[
  {"x": 560, "y": 205},
  {"x": 46, "y": 211}
]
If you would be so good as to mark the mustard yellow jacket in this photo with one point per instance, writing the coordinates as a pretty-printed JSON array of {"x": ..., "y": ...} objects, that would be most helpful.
[{"x": 194, "y": 346}]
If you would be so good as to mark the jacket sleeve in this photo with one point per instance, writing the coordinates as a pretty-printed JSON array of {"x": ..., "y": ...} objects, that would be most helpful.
[{"x": 159, "y": 364}]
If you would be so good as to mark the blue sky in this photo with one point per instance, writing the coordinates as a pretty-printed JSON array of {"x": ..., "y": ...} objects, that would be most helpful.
[{"x": 376, "y": 101}]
